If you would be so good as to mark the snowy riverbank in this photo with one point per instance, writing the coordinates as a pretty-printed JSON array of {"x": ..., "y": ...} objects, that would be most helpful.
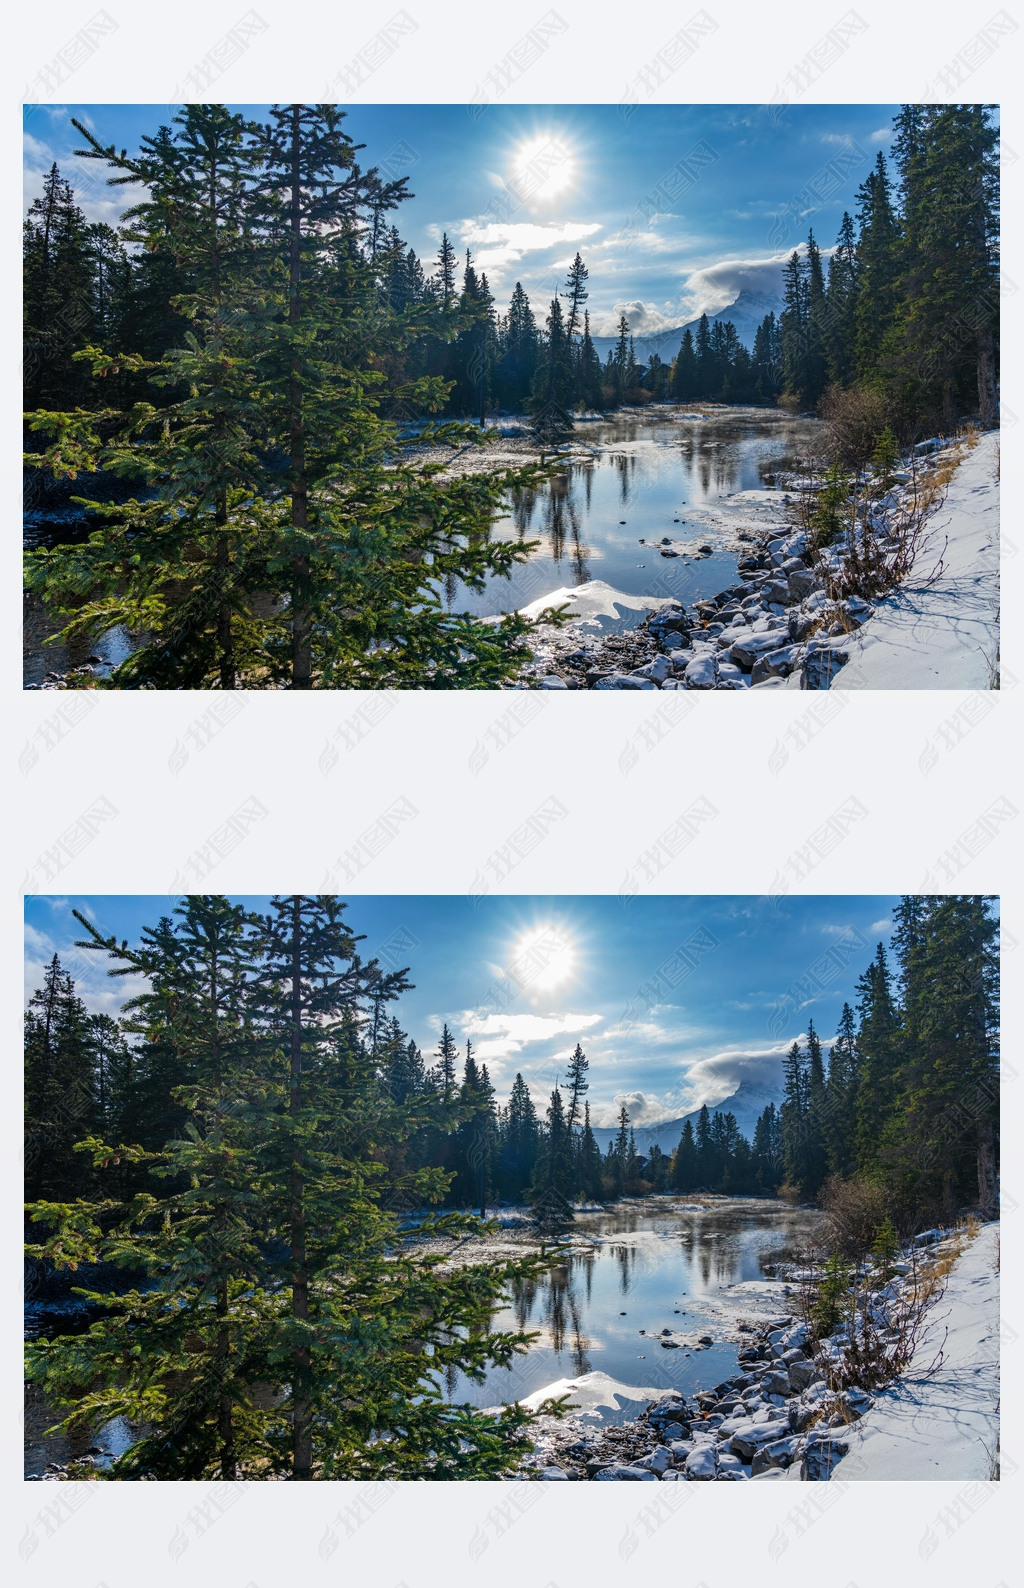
[
  {"x": 777, "y": 626},
  {"x": 781, "y": 1416}
]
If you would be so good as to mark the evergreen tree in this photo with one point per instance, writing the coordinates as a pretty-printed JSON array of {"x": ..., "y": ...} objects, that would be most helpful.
[
  {"x": 795, "y": 1120},
  {"x": 878, "y": 1043},
  {"x": 60, "y": 1100},
  {"x": 684, "y": 370},
  {"x": 684, "y": 1174},
  {"x": 59, "y": 295}
]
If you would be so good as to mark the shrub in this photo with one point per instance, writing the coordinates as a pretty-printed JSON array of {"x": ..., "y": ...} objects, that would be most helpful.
[
  {"x": 854, "y": 419},
  {"x": 855, "y": 1209}
]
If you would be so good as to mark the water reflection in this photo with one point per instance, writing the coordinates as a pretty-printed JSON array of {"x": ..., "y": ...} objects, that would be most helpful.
[
  {"x": 633, "y": 477},
  {"x": 637, "y": 1269}
]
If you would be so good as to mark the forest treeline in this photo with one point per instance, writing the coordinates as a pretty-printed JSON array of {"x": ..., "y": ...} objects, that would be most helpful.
[
  {"x": 243, "y": 356},
  {"x": 249, "y": 1141}
]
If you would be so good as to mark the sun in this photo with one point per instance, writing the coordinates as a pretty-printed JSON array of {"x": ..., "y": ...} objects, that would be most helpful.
[
  {"x": 542, "y": 167},
  {"x": 543, "y": 958}
]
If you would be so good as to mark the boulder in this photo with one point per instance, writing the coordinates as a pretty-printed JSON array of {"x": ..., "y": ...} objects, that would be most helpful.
[
  {"x": 624, "y": 681},
  {"x": 802, "y": 1374},
  {"x": 801, "y": 1416},
  {"x": 551, "y": 682},
  {"x": 822, "y": 1453},
  {"x": 778, "y": 593},
  {"x": 656, "y": 1461},
  {"x": 672, "y": 640},
  {"x": 624, "y": 1474},
  {"x": 780, "y": 1454},
  {"x": 673, "y": 1431},
  {"x": 750, "y": 1437},
  {"x": 821, "y": 664},
  {"x": 801, "y": 582},
  {"x": 702, "y": 1464},
  {"x": 701, "y": 673},
  {"x": 750, "y": 647},
  {"x": 776, "y": 664},
  {"x": 776, "y": 1383},
  {"x": 553, "y": 1472},
  {"x": 658, "y": 669}
]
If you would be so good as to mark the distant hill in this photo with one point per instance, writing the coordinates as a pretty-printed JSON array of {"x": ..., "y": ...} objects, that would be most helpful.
[
  {"x": 746, "y": 1103},
  {"x": 746, "y": 314}
]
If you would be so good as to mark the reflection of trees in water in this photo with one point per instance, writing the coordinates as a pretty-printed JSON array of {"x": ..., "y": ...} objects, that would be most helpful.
[
  {"x": 523, "y": 500},
  {"x": 562, "y": 522},
  {"x": 555, "y": 1301}
]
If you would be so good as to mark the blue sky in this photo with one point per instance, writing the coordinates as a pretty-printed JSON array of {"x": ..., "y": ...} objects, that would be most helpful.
[
  {"x": 675, "y": 1000},
  {"x": 525, "y": 186}
]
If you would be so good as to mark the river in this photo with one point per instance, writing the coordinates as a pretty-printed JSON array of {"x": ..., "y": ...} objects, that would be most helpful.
[
  {"x": 636, "y": 1269},
  {"x": 632, "y": 476}
]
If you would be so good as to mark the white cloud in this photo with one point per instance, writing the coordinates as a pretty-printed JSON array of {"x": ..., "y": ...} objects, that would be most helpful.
[
  {"x": 644, "y": 319},
  {"x": 521, "y": 1029},
  {"x": 642, "y": 1107},
  {"x": 881, "y": 926},
  {"x": 503, "y": 243},
  {"x": 716, "y": 286}
]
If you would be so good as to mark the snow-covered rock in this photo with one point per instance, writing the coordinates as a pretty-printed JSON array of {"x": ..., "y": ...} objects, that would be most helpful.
[{"x": 702, "y": 1464}]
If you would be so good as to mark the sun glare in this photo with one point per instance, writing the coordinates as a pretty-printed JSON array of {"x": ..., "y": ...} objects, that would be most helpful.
[
  {"x": 542, "y": 167},
  {"x": 543, "y": 958}
]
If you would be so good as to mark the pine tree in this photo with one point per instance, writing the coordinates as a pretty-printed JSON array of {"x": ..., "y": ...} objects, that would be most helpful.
[
  {"x": 520, "y": 1140},
  {"x": 878, "y": 1048},
  {"x": 272, "y": 1261},
  {"x": 60, "y": 1099},
  {"x": 684, "y": 1174},
  {"x": 878, "y": 263},
  {"x": 794, "y": 1120},
  {"x": 684, "y": 370},
  {"x": 59, "y": 295}
]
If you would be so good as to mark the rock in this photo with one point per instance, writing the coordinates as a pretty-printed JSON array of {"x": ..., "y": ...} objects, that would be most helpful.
[
  {"x": 822, "y": 1453},
  {"x": 802, "y": 1374},
  {"x": 702, "y": 1464},
  {"x": 821, "y": 664},
  {"x": 801, "y": 582},
  {"x": 701, "y": 673},
  {"x": 553, "y": 1472},
  {"x": 855, "y": 1402},
  {"x": 657, "y": 1461},
  {"x": 780, "y": 1454},
  {"x": 551, "y": 682},
  {"x": 855, "y": 611},
  {"x": 750, "y": 1437},
  {"x": 681, "y": 1448},
  {"x": 776, "y": 1383},
  {"x": 732, "y": 677},
  {"x": 624, "y": 1474},
  {"x": 673, "y": 1431},
  {"x": 672, "y": 1477},
  {"x": 750, "y": 647},
  {"x": 776, "y": 664},
  {"x": 666, "y": 551},
  {"x": 672, "y": 640},
  {"x": 800, "y": 1417},
  {"x": 658, "y": 669},
  {"x": 778, "y": 593},
  {"x": 624, "y": 681}
]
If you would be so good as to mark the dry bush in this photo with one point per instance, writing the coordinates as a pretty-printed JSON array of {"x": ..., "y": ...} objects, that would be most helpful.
[
  {"x": 854, "y": 419},
  {"x": 790, "y": 404},
  {"x": 853, "y": 1209}
]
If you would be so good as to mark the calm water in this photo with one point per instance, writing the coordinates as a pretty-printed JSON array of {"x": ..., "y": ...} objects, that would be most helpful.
[
  {"x": 642, "y": 475},
  {"x": 650, "y": 470},
  {"x": 651, "y": 1267}
]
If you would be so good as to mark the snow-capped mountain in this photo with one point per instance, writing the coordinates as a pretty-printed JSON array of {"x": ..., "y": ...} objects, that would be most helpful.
[
  {"x": 746, "y": 1103},
  {"x": 746, "y": 314}
]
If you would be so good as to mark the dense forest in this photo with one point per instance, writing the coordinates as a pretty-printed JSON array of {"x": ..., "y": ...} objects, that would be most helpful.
[
  {"x": 248, "y": 1140},
  {"x": 243, "y": 357}
]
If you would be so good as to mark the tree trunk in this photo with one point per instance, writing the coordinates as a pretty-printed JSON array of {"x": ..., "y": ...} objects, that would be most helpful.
[
  {"x": 302, "y": 1417},
  {"x": 225, "y": 640},
  {"x": 988, "y": 405},
  {"x": 225, "y": 1422},
  {"x": 988, "y": 1189},
  {"x": 302, "y": 659}
]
